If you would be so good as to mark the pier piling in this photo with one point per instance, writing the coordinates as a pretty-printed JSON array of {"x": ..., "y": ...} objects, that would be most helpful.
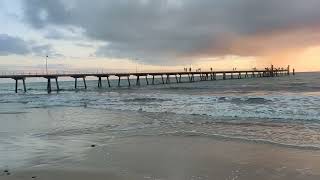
[
  {"x": 162, "y": 79},
  {"x": 24, "y": 84},
  {"x": 138, "y": 80},
  {"x": 168, "y": 79},
  {"x": 128, "y": 78},
  {"x": 152, "y": 79},
  {"x": 49, "y": 85},
  {"x": 84, "y": 82},
  {"x": 108, "y": 81},
  {"x": 16, "y": 86},
  {"x": 76, "y": 80},
  {"x": 147, "y": 80},
  {"x": 99, "y": 82},
  {"x": 119, "y": 79},
  {"x": 75, "y": 83},
  {"x": 57, "y": 84}
]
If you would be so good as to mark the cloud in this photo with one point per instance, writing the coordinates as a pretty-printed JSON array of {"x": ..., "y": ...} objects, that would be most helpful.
[
  {"x": 45, "y": 50},
  {"x": 63, "y": 33},
  {"x": 10, "y": 45},
  {"x": 163, "y": 30}
]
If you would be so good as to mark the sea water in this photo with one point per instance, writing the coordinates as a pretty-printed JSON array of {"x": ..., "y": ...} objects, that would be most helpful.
[{"x": 38, "y": 128}]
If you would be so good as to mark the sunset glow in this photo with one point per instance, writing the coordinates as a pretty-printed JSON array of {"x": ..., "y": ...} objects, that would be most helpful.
[{"x": 156, "y": 36}]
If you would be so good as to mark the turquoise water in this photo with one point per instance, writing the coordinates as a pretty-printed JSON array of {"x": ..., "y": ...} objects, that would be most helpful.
[{"x": 40, "y": 128}]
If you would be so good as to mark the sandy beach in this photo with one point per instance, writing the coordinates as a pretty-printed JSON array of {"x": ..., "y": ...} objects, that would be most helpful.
[{"x": 174, "y": 157}]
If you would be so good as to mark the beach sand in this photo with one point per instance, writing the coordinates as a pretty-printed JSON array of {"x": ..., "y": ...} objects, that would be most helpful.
[{"x": 180, "y": 157}]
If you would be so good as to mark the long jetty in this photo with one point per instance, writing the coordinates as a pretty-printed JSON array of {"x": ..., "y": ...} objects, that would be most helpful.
[{"x": 165, "y": 76}]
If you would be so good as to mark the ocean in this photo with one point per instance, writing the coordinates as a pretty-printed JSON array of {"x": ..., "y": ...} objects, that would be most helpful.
[{"x": 37, "y": 128}]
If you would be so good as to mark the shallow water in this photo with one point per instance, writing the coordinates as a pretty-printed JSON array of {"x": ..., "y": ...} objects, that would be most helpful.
[{"x": 38, "y": 128}]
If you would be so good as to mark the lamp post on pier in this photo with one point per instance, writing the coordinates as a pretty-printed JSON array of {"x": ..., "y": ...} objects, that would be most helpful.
[{"x": 47, "y": 64}]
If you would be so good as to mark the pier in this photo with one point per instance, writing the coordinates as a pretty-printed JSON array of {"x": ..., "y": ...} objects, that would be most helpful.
[{"x": 165, "y": 77}]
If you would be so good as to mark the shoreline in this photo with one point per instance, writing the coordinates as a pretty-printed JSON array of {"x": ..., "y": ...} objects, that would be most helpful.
[{"x": 178, "y": 157}]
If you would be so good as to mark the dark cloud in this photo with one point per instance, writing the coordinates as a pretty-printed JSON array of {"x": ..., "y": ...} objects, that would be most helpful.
[
  {"x": 163, "y": 30},
  {"x": 16, "y": 46},
  {"x": 12, "y": 45}
]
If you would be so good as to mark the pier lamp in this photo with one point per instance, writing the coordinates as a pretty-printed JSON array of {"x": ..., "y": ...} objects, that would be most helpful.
[{"x": 47, "y": 64}]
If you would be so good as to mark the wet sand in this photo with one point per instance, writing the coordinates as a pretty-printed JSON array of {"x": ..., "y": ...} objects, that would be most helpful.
[{"x": 178, "y": 157}]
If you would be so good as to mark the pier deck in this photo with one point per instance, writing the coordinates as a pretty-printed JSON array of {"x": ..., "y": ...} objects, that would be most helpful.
[{"x": 165, "y": 76}]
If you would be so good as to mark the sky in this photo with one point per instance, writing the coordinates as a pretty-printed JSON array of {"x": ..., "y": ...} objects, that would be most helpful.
[{"x": 158, "y": 35}]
